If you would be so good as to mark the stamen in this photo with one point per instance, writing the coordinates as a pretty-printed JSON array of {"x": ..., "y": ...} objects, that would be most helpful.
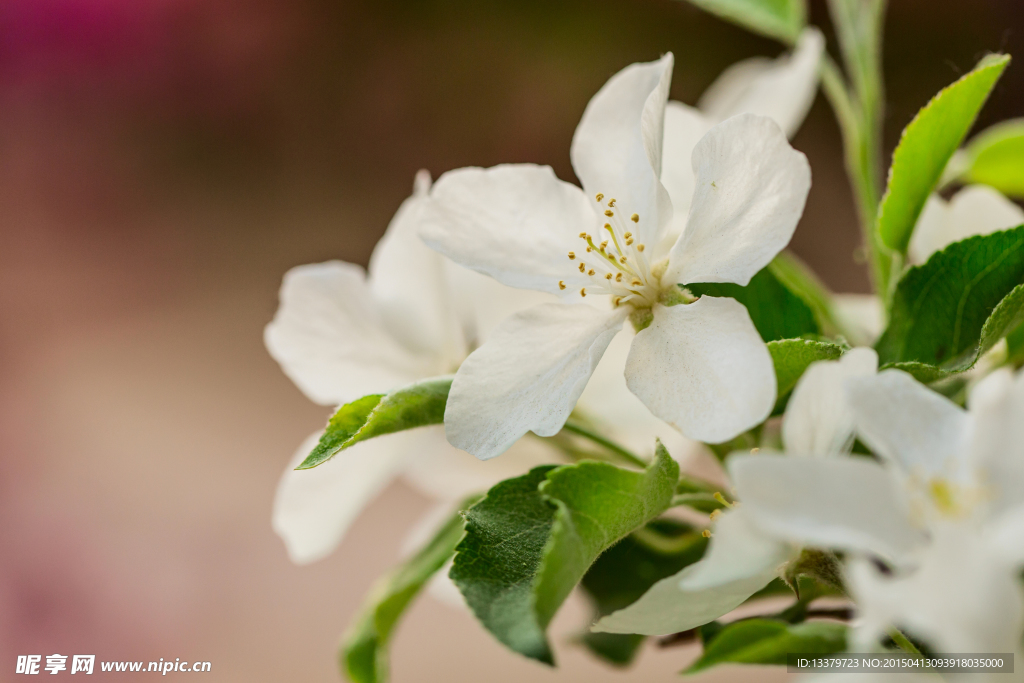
[
  {"x": 639, "y": 247},
  {"x": 706, "y": 533},
  {"x": 636, "y": 283},
  {"x": 600, "y": 196},
  {"x": 616, "y": 300},
  {"x": 635, "y": 218},
  {"x": 604, "y": 245},
  {"x": 618, "y": 277},
  {"x": 583, "y": 266},
  {"x": 721, "y": 499},
  {"x": 572, "y": 255},
  {"x": 583, "y": 292},
  {"x": 629, "y": 241},
  {"x": 609, "y": 213},
  {"x": 589, "y": 249},
  {"x": 583, "y": 235},
  {"x": 611, "y": 202},
  {"x": 561, "y": 284},
  {"x": 715, "y": 514},
  {"x": 622, "y": 260},
  {"x": 628, "y": 235},
  {"x": 607, "y": 276},
  {"x": 590, "y": 272}
]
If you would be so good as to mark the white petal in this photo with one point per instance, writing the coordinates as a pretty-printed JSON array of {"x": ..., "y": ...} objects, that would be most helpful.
[
  {"x": 684, "y": 127},
  {"x": 739, "y": 551},
  {"x": 515, "y": 222},
  {"x": 444, "y": 472},
  {"x": 703, "y": 368},
  {"x": 849, "y": 504},
  {"x": 667, "y": 608},
  {"x": 617, "y": 147},
  {"x": 919, "y": 430},
  {"x": 997, "y": 449},
  {"x": 330, "y": 339},
  {"x": 407, "y": 282},
  {"x": 618, "y": 413},
  {"x": 750, "y": 191},
  {"x": 818, "y": 419},
  {"x": 314, "y": 508},
  {"x": 861, "y": 316},
  {"x": 974, "y": 210},
  {"x": 958, "y": 599},
  {"x": 527, "y": 376},
  {"x": 782, "y": 89}
]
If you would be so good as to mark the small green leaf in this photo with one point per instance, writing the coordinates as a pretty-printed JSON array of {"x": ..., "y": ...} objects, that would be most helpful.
[
  {"x": 364, "y": 649},
  {"x": 926, "y": 146},
  {"x": 793, "y": 356},
  {"x": 416, "y": 405},
  {"x": 622, "y": 574},
  {"x": 996, "y": 157},
  {"x": 956, "y": 306},
  {"x": 768, "y": 641},
  {"x": 776, "y": 312},
  {"x": 780, "y": 19},
  {"x": 532, "y": 539}
]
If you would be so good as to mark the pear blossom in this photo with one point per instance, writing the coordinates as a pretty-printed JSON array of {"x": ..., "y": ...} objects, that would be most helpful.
[
  {"x": 743, "y": 555},
  {"x": 697, "y": 364},
  {"x": 944, "y": 508},
  {"x": 974, "y": 210},
  {"x": 782, "y": 89}
]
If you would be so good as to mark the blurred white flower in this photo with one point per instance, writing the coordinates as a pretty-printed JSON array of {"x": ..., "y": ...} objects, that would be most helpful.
[
  {"x": 974, "y": 210},
  {"x": 340, "y": 334},
  {"x": 700, "y": 366},
  {"x": 743, "y": 557},
  {"x": 945, "y": 509}
]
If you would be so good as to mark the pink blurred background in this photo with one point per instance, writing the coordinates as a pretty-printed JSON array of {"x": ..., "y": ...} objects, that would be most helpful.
[{"x": 164, "y": 162}]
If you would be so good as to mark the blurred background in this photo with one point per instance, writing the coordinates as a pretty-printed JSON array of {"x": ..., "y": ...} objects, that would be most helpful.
[{"x": 164, "y": 162}]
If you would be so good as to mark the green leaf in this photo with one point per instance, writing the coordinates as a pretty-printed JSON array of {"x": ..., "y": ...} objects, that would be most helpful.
[
  {"x": 413, "y": 406},
  {"x": 780, "y": 19},
  {"x": 956, "y": 306},
  {"x": 799, "y": 279},
  {"x": 996, "y": 157},
  {"x": 364, "y": 649},
  {"x": 793, "y": 356},
  {"x": 532, "y": 539},
  {"x": 768, "y": 641},
  {"x": 625, "y": 571},
  {"x": 776, "y": 312},
  {"x": 926, "y": 146}
]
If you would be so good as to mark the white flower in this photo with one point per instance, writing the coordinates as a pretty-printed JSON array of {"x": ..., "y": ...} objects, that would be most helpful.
[
  {"x": 945, "y": 509},
  {"x": 340, "y": 334},
  {"x": 974, "y": 210},
  {"x": 701, "y": 366},
  {"x": 744, "y": 556},
  {"x": 782, "y": 89}
]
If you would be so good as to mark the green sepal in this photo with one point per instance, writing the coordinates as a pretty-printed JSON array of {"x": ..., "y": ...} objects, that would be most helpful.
[{"x": 768, "y": 641}]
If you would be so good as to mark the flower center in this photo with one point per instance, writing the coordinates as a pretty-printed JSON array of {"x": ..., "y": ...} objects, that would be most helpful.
[{"x": 616, "y": 262}]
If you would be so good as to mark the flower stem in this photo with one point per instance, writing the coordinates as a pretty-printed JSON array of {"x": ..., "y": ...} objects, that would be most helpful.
[
  {"x": 615, "y": 448},
  {"x": 902, "y": 642}
]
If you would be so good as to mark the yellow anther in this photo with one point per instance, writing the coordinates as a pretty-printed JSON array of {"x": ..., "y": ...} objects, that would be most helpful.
[
  {"x": 635, "y": 218},
  {"x": 609, "y": 213},
  {"x": 628, "y": 235},
  {"x": 590, "y": 272},
  {"x": 583, "y": 235},
  {"x": 561, "y": 284},
  {"x": 583, "y": 292},
  {"x": 583, "y": 266},
  {"x": 572, "y": 255},
  {"x": 622, "y": 259},
  {"x": 600, "y": 196},
  {"x": 636, "y": 283},
  {"x": 629, "y": 241},
  {"x": 603, "y": 245},
  {"x": 715, "y": 514},
  {"x": 616, "y": 300},
  {"x": 618, "y": 277},
  {"x": 706, "y": 533},
  {"x": 611, "y": 202},
  {"x": 589, "y": 249},
  {"x": 607, "y": 276},
  {"x": 639, "y": 247},
  {"x": 608, "y": 226}
]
